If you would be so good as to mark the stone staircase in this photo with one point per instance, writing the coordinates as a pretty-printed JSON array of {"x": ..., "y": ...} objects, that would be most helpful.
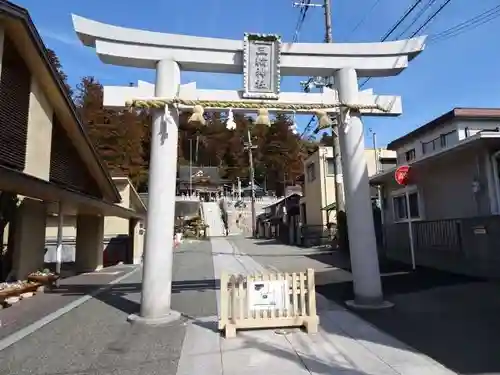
[
  {"x": 212, "y": 217},
  {"x": 240, "y": 219},
  {"x": 235, "y": 227}
]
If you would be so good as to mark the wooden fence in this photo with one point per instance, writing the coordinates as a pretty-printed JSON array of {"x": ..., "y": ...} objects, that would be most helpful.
[{"x": 269, "y": 300}]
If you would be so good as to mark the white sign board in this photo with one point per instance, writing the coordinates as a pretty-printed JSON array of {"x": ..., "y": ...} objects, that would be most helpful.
[{"x": 268, "y": 295}]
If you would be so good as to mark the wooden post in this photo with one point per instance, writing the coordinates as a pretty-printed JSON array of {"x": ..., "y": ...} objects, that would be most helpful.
[
  {"x": 224, "y": 301},
  {"x": 311, "y": 325}
]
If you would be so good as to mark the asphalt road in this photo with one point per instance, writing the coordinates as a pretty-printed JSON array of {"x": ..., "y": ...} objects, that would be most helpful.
[
  {"x": 451, "y": 318},
  {"x": 95, "y": 339}
]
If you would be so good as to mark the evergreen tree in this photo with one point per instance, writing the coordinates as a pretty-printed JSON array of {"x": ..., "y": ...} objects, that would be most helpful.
[
  {"x": 56, "y": 63},
  {"x": 117, "y": 135}
]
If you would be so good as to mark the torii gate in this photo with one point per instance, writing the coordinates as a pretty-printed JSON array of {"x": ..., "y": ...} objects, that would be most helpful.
[{"x": 262, "y": 59}]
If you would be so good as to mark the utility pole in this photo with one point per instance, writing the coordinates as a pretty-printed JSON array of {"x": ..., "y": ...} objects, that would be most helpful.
[
  {"x": 337, "y": 161},
  {"x": 328, "y": 21},
  {"x": 190, "y": 166},
  {"x": 375, "y": 151},
  {"x": 319, "y": 82},
  {"x": 249, "y": 147},
  {"x": 284, "y": 183}
]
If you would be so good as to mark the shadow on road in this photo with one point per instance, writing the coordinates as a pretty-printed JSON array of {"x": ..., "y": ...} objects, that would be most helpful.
[
  {"x": 451, "y": 318},
  {"x": 118, "y": 295},
  {"x": 248, "y": 341}
]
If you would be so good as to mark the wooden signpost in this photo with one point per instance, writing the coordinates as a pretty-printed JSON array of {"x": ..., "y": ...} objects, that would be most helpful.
[{"x": 269, "y": 300}]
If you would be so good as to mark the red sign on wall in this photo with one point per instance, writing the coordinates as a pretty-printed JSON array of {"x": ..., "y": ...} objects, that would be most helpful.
[{"x": 402, "y": 175}]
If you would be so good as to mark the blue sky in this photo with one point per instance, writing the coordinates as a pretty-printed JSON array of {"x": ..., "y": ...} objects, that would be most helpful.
[{"x": 457, "y": 72}]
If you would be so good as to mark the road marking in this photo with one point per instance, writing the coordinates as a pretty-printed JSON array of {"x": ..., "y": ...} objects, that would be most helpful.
[{"x": 28, "y": 330}]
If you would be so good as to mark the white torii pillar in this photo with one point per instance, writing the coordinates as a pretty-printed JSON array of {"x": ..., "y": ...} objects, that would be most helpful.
[
  {"x": 361, "y": 229},
  {"x": 158, "y": 255}
]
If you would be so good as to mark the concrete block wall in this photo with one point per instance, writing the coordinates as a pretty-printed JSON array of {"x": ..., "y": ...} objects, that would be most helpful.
[{"x": 244, "y": 216}]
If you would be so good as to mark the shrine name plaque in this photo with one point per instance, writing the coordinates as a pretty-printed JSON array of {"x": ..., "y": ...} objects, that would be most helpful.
[{"x": 261, "y": 66}]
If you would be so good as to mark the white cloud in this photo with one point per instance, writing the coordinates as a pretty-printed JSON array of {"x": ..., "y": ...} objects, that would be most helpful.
[{"x": 61, "y": 37}]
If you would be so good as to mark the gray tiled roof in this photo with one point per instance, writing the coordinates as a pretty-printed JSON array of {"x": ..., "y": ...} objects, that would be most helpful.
[
  {"x": 183, "y": 173},
  {"x": 182, "y": 208}
]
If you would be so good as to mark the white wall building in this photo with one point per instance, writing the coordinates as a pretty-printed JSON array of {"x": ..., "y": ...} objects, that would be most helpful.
[{"x": 319, "y": 182}]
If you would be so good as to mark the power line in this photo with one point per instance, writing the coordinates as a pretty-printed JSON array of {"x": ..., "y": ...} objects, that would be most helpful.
[
  {"x": 308, "y": 126},
  {"x": 467, "y": 25},
  {"x": 364, "y": 17},
  {"x": 384, "y": 38},
  {"x": 405, "y": 15},
  {"x": 304, "y": 7},
  {"x": 421, "y": 28},
  {"x": 401, "y": 20},
  {"x": 431, "y": 17},
  {"x": 394, "y": 27},
  {"x": 422, "y": 10}
]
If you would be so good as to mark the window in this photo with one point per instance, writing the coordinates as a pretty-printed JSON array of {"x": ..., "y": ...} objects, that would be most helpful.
[
  {"x": 330, "y": 166},
  {"x": 449, "y": 139},
  {"x": 400, "y": 212},
  {"x": 311, "y": 172},
  {"x": 410, "y": 155},
  {"x": 431, "y": 146},
  {"x": 387, "y": 164},
  {"x": 443, "y": 141}
]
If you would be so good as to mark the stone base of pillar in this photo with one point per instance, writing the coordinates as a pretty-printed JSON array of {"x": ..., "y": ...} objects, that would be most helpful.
[
  {"x": 162, "y": 320},
  {"x": 369, "y": 306}
]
